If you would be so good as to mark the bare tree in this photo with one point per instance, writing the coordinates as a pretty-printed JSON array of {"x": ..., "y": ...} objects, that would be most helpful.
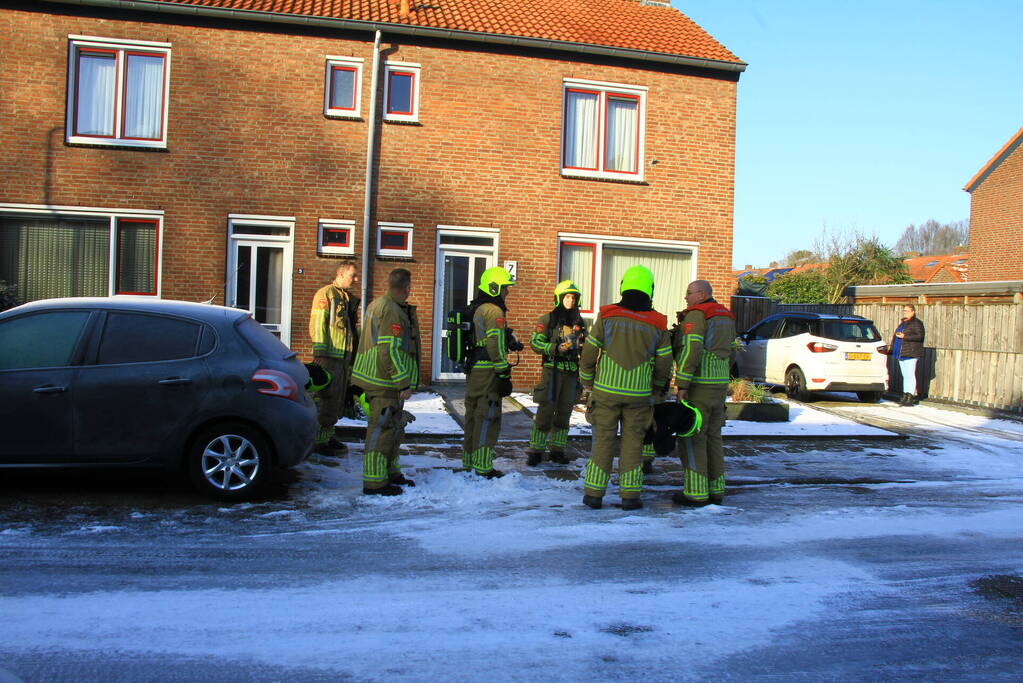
[{"x": 933, "y": 237}]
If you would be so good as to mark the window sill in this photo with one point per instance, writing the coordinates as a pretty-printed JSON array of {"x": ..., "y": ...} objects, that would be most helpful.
[
  {"x": 116, "y": 145},
  {"x": 401, "y": 122},
  {"x": 397, "y": 259},
  {"x": 343, "y": 117},
  {"x": 602, "y": 179}
]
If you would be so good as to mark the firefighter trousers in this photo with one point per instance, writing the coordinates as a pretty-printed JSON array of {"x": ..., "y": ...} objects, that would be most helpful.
[
  {"x": 482, "y": 420},
  {"x": 606, "y": 415},
  {"x": 385, "y": 430},
  {"x": 330, "y": 401},
  {"x": 702, "y": 455},
  {"x": 555, "y": 397}
]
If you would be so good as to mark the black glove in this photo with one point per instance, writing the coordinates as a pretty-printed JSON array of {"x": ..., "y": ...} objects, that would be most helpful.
[{"x": 504, "y": 385}]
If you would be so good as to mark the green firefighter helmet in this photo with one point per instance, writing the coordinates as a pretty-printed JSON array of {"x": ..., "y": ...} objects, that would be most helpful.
[
  {"x": 692, "y": 421},
  {"x": 639, "y": 278},
  {"x": 493, "y": 279},
  {"x": 567, "y": 287}
]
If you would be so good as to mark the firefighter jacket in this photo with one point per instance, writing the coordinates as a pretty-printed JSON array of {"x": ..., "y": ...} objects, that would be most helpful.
[
  {"x": 389, "y": 346},
  {"x": 489, "y": 326},
  {"x": 627, "y": 354},
  {"x": 702, "y": 344},
  {"x": 545, "y": 340},
  {"x": 332, "y": 323}
]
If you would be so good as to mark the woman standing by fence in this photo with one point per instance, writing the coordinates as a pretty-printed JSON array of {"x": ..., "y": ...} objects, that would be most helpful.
[{"x": 906, "y": 348}]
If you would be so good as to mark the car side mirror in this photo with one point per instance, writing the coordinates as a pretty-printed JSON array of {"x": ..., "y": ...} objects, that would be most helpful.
[{"x": 744, "y": 337}]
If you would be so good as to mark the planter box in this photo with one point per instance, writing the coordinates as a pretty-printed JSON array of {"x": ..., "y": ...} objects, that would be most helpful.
[{"x": 757, "y": 412}]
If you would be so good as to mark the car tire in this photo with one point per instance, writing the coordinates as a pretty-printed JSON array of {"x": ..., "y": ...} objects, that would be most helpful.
[
  {"x": 869, "y": 396},
  {"x": 230, "y": 461},
  {"x": 795, "y": 385}
]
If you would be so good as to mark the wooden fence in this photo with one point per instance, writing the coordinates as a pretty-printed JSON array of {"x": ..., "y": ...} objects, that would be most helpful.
[{"x": 974, "y": 352}]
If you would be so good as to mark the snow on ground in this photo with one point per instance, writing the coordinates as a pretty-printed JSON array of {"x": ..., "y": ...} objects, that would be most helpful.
[
  {"x": 803, "y": 421},
  {"x": 431, "y": 416}
]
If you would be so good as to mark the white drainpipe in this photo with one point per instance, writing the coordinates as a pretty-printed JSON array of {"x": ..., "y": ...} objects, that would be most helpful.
[{"x": 367, "y": 204}]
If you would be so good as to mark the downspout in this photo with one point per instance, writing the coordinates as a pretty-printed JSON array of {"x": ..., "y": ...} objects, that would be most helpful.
[{"x": 367, "y": 205}]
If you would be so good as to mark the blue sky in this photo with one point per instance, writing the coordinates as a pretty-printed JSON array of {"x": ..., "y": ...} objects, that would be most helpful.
[{"x": 863, "y": 116}]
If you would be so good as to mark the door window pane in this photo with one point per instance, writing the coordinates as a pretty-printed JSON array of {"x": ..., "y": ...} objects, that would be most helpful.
[
  {"x": 242, "y": 278},
  {"x": 269, "y": 281},
  {"x": 136, "y": 257},
  {"x": 577, "y": 265},
  {"x": 52, "y": 257},
  {"x": 138, "y": 337},
  {"x": 143, "y": 97},
  {"x": 44, "y": 340}
]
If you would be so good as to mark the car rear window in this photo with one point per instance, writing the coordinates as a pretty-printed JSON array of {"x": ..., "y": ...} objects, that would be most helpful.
[
  {"x": 263, "y": 340},
  {"x": 848, "y": 330}
]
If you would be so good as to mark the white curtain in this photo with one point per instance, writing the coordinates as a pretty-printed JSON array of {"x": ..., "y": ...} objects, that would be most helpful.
[
  {"x": 672, "y": 272},
  {"x": 581, "y": 129},
  {"x": 143, "y": 99},
  {"x": 577, "y": 266},
  {"x": 620, "y": 150},
  {"x": 95, "y": 105}
]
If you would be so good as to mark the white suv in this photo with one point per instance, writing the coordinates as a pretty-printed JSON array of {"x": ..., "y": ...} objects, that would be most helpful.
[{"x": 809, "y": 352}]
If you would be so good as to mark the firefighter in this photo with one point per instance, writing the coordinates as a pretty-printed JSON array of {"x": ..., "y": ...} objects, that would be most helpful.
[
  {"x": 703, "y": 357},
  {"x": 489, "y": 375},
  {"x": 387, "y": 367},
  {"x": 625, "y": 365},
  {"x": 334, "y": 333},
  {"x": 558, "y": 337}
]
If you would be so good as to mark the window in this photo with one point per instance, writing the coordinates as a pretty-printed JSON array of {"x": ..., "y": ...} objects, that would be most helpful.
[
  {"x": 260, "y": 259},
  {"x": 140, "y": 338},
  {"x": 394, "y": 239},
  {"x": 795, "y": 327},
  {"x": 50, "y": 252},
  {"x": 401, "y": 92},
  {"x": 603, "y": 130},
  {"x": 342, "y": 90},
  {"x": 20, "y": 346},
  {"x": 335, "y": 237},
  {"x": 765, "y": 330},
  {"x": 117, "y": 92},
  {"x": 597, "y": 264}
]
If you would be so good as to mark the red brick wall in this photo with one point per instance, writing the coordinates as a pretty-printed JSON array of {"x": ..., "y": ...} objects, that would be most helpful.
[
  {"x": 996, "y": 223},
  {"x": 247, "y": 135}
]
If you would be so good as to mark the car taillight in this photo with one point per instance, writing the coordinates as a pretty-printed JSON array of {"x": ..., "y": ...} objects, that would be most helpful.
[
  {"x": 276, "y": 383},
  {"x": 818, "y": 347}
]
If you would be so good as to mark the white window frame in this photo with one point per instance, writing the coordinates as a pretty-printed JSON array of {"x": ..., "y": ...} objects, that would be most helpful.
[
  {"x": 113, "y": 215},
  {"x": 120, "y": 47},
  {"x": 335, "y": 224},
  {"x": 601, "y": 241},
  {"x": 395, "y": 227},
  {"x": 351, "y": 63},
  {"x": 287, "y": 242},
  {"x": 604, "y": 90},
  {"x": 402, "y": 67}
]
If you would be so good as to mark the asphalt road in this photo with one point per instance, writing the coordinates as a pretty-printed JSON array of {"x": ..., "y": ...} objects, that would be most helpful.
[{"x": 931, "y": 585}]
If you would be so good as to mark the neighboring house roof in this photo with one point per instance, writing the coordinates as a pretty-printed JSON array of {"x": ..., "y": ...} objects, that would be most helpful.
[
  {"x": 938, "y": 268},
  {"x": 626, "y": 24},
  {"x": 1002, "y": 154}
]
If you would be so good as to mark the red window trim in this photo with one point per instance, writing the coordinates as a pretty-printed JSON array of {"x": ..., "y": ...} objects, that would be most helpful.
[
  {"x": 347, "y": 237},
  {"x": 593, "y": 271},
  {"x": 607, "y": 111},
  {"x": 78, "y": 90},
  {"x": 564, "y": 147},
  {"x": 602, "y": 130},
  {"x": 412, "y": 93},
  {"x": 156, "y": 255},
  {"x": 355, "y": 88},
  {"x": 405, "y": 234},
  {"x": 124, "y": 91}
]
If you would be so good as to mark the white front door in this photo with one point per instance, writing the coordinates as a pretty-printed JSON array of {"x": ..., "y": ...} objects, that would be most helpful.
[
  {"x": 462, "y": 256},
  {"x": 259, "y": 263}
]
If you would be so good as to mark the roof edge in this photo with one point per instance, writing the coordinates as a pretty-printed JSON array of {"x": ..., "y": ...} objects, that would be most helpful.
[
  {"x": 977, "y": 288},
  {"x": 410, "y": 29},
  {"x": 993, "y": 163}
]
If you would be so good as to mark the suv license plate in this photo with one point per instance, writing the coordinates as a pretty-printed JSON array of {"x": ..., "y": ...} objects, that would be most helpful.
[{"x": 857, "y": 356}]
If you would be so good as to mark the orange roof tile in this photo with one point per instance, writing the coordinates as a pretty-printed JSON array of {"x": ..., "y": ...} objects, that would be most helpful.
[
  {"x": 943, "y": 267},
  {"x": 610, "y": 23}
]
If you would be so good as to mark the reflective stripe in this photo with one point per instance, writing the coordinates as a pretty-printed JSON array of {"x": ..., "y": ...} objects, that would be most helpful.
[
  {"x": 537, "y": 439},
  {"x": 595, "y": 478},
  {"x": 559, "y": 438},
  {"x": 695, "y": 485},
  {"x": 374, "y": 467},
  {"x": 631, "y": 481},
  {"x": 717, "y": 487},
  {"x": 648, "y": 450}
]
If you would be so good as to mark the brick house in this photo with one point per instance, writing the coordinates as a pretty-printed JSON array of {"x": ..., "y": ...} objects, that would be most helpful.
[
  {"x": 237, "y": 151},
  {"x": 996, "y": 215}
]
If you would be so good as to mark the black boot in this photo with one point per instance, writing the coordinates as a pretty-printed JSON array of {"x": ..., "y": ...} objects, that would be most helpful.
[
  {"x": 533, "y": 458},
  {"x": 386, "y": 490},
  {"x": 559, "y": 457},
  {"x": 492, "y": 474},
  {"x": 716, "y": 498},
  {"x": 401, "y": 479},
  {"x": 595, "y": 502},
  {"x": 907, "y": 400},
  {"x": 679, "y": 498},
  {"x": 648, "y": 465},
  {"x": 631, "y": 503}
]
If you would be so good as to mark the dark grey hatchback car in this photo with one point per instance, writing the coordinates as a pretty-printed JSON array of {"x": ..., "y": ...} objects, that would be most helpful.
[{"x": 151, "y": 383}]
